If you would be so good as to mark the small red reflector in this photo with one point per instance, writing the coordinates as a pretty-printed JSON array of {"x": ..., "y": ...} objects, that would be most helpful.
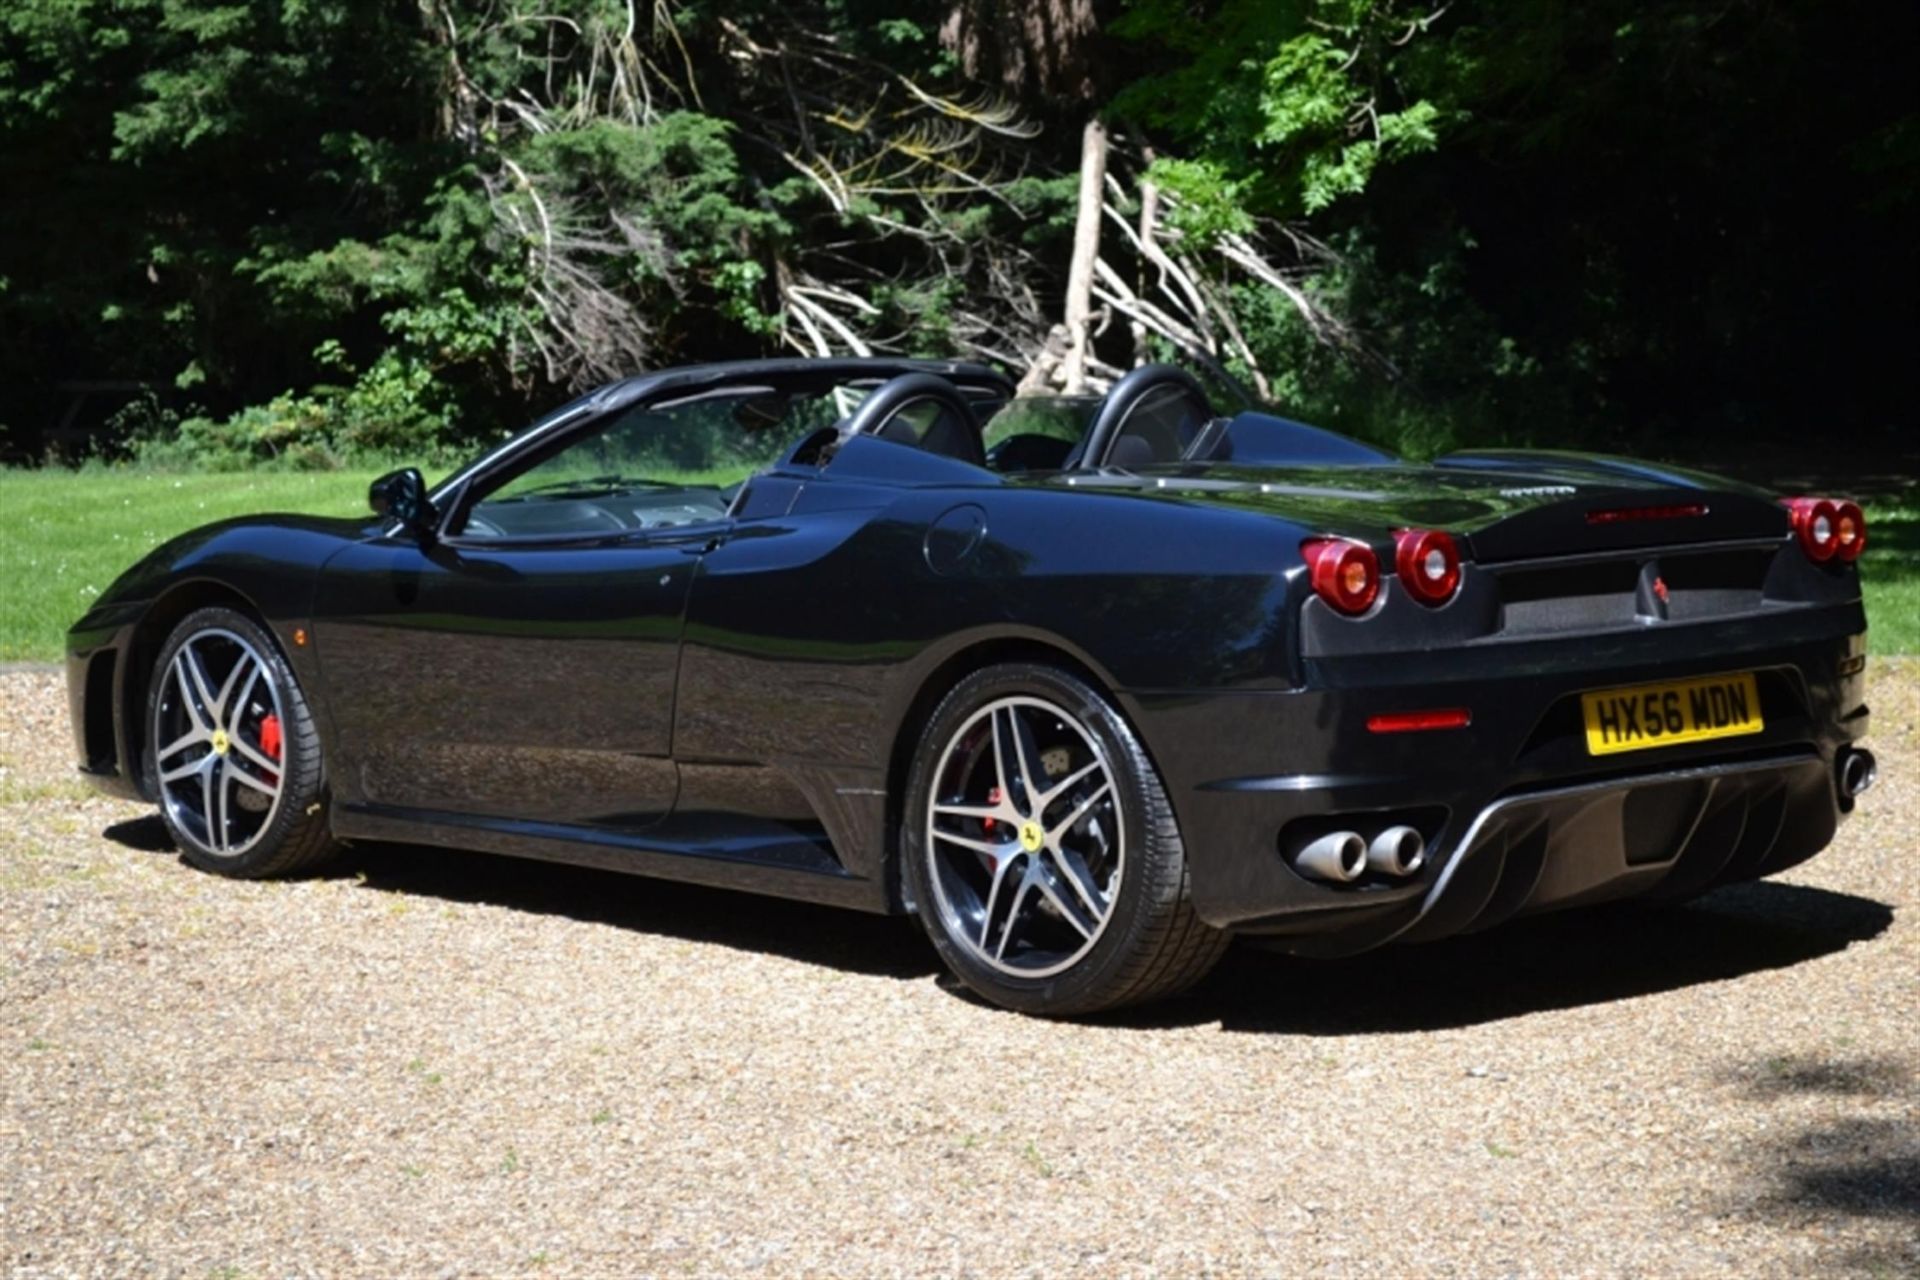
[
  {"x": 1622, "y": 515},
  {"x": 1417, "y": 721}
]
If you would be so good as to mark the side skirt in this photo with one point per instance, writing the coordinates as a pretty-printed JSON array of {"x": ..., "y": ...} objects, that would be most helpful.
[{"x": 779, "y": 866}]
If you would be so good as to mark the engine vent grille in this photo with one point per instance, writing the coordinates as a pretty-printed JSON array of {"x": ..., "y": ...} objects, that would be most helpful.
[{"x": 1599, "y": 594}]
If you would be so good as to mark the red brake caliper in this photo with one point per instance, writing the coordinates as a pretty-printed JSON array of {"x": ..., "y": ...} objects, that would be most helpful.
[
  {"x": 270, "y": 736},
  {"x": 993, "y": 797}
]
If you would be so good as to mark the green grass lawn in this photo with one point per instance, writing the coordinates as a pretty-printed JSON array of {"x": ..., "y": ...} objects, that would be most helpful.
[
  {"x": 65, "y": 535},
  {"x": 1891, "y": 571}
]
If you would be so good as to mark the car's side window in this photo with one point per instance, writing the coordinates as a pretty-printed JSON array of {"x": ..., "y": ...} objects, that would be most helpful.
[{"x": 657, "y": 466}]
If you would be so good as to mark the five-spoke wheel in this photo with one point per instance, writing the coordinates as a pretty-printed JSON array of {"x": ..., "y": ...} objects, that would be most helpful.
[
  {"x": 219, "y": 763},
  {"x": 234, "y": 757},
  {"x": 1040, "y": 850},
  {"x": 1025, "y": 837}
]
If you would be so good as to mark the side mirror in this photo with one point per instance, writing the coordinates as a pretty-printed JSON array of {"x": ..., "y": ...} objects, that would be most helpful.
[{"x": 402, "y": 495}]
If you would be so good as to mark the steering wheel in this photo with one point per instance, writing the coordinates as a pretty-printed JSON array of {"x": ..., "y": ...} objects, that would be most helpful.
[
  {"x": 1128, "y": 394},
  {"x": 954, "y": 433}
]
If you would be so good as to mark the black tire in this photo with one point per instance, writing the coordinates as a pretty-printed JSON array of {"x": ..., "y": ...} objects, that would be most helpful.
[
  {"x": 1151, "y": 944},
  {"x": 287, "y": 834}
]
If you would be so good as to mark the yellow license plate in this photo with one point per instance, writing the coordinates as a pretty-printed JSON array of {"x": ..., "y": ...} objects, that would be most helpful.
[{"x": 1665, "y": 715}]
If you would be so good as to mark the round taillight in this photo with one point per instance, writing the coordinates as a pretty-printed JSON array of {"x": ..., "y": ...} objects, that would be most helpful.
[
  {"x": 1344, "y": 573},
  {"x": 1428, "y": 563},
  {"x": 1816, "y": 523},
  {"x": 1849, "y": 531}
]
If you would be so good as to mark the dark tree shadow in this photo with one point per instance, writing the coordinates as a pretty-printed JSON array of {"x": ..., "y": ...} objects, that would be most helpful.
[
  {"x": 1791, "y": 1074},
  {"x": 1832, "y": 1168},
  {"x": 1860, "y": 1173}
]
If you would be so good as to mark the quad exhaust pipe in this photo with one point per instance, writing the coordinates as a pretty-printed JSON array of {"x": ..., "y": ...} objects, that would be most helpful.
[
  {"x": 1397, "y": 851},
  {"x": 1338, "y": 856},
  {"x": 1857, "y": 770},
  {"x": 1341, "y": 857}
]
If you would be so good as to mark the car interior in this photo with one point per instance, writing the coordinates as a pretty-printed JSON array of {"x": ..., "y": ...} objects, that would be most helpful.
[
  {"x": 684, "y": 463},
  {"x": 1156, "y": 414}
]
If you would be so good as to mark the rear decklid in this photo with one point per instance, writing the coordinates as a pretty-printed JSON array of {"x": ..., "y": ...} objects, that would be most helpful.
[
  {"x": 1601, "y": 520},
  {"x": 1584, "y": 503},
  {"x": 1500, "y": 511},
  {"x": 1554, "y": 545}
]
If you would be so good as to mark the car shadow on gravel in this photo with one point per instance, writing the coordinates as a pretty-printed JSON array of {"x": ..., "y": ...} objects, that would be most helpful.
[
  {"x": 1552, "y": 962},
  {"x": 885, "y": 946},
  {"x": 1548, "y": 962},
  {"x": 147, "y": 835}
]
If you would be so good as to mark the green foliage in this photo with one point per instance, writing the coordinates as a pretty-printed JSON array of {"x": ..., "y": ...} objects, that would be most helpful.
[
  {"x": 739, "y": 284},
  {"x": 1045, "y": 204},
  {"x": 165, "y": 156},
  {"x": 681, "y": 170},
  {"x": 1304, "y": 90},
  {"x": 1211, "y": 204},
  {"x": 1577, "y": 223},
  {"x": 400, "y": 406},
  {"x": 341, "y": 225},
  {"x": 687, "y": 227},
  {"x": 286, "y": 429},
  {"x": 1284, "y": 108},
  {"x": 319, "y": 228}
]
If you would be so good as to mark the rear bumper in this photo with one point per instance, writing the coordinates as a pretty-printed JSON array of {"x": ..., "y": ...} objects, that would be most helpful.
[
  {"x": 1664, "y": 836},
  {"x": 1518, "y": 816}
]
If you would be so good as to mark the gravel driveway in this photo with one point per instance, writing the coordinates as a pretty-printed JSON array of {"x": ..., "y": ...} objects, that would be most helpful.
[{"x": 429, "y": 1063}]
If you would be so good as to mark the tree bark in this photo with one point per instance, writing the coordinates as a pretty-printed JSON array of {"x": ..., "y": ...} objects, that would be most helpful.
[
  {"x": 1149, "y": 216},
  {"x": 1086, "y": 251}
]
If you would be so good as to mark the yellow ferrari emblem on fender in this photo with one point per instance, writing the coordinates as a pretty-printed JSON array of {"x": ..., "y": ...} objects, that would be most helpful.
[
  {"x": 220, "y": 742},
  {"x": 1032, "y": 837}
]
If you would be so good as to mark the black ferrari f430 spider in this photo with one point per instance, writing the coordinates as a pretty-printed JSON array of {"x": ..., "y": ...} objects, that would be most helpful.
[{"x": 1090, "y": 686}]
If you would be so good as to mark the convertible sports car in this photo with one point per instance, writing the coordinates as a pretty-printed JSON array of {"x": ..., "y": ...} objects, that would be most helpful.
[{"x": 1090, "y": 686}]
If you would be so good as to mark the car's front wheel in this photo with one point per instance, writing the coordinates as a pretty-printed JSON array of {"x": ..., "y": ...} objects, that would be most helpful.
[
  {"x": 1041, "y": 851},
  {"x": 232, "y": 750}
]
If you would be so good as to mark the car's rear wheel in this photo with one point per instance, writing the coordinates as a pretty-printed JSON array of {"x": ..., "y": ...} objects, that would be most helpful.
[
  {"x": 1041, "y": 851},
  {"x": 233, "y": 754}
]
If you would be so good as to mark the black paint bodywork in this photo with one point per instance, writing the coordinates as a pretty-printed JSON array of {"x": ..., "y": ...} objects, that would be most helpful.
[{"x": 736, "y": 702}]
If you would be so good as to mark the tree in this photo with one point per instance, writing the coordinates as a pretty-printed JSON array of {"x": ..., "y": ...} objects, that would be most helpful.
[{"x": 326, "y": 226}]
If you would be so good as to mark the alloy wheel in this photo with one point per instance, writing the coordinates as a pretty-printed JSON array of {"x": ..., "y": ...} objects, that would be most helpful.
[
  {"x": 218, "y": 742},
  {"x": 1026, "y": 840}
]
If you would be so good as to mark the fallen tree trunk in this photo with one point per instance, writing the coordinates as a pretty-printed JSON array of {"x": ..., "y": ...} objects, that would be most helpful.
[{"x": 1086, "y": 251}]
